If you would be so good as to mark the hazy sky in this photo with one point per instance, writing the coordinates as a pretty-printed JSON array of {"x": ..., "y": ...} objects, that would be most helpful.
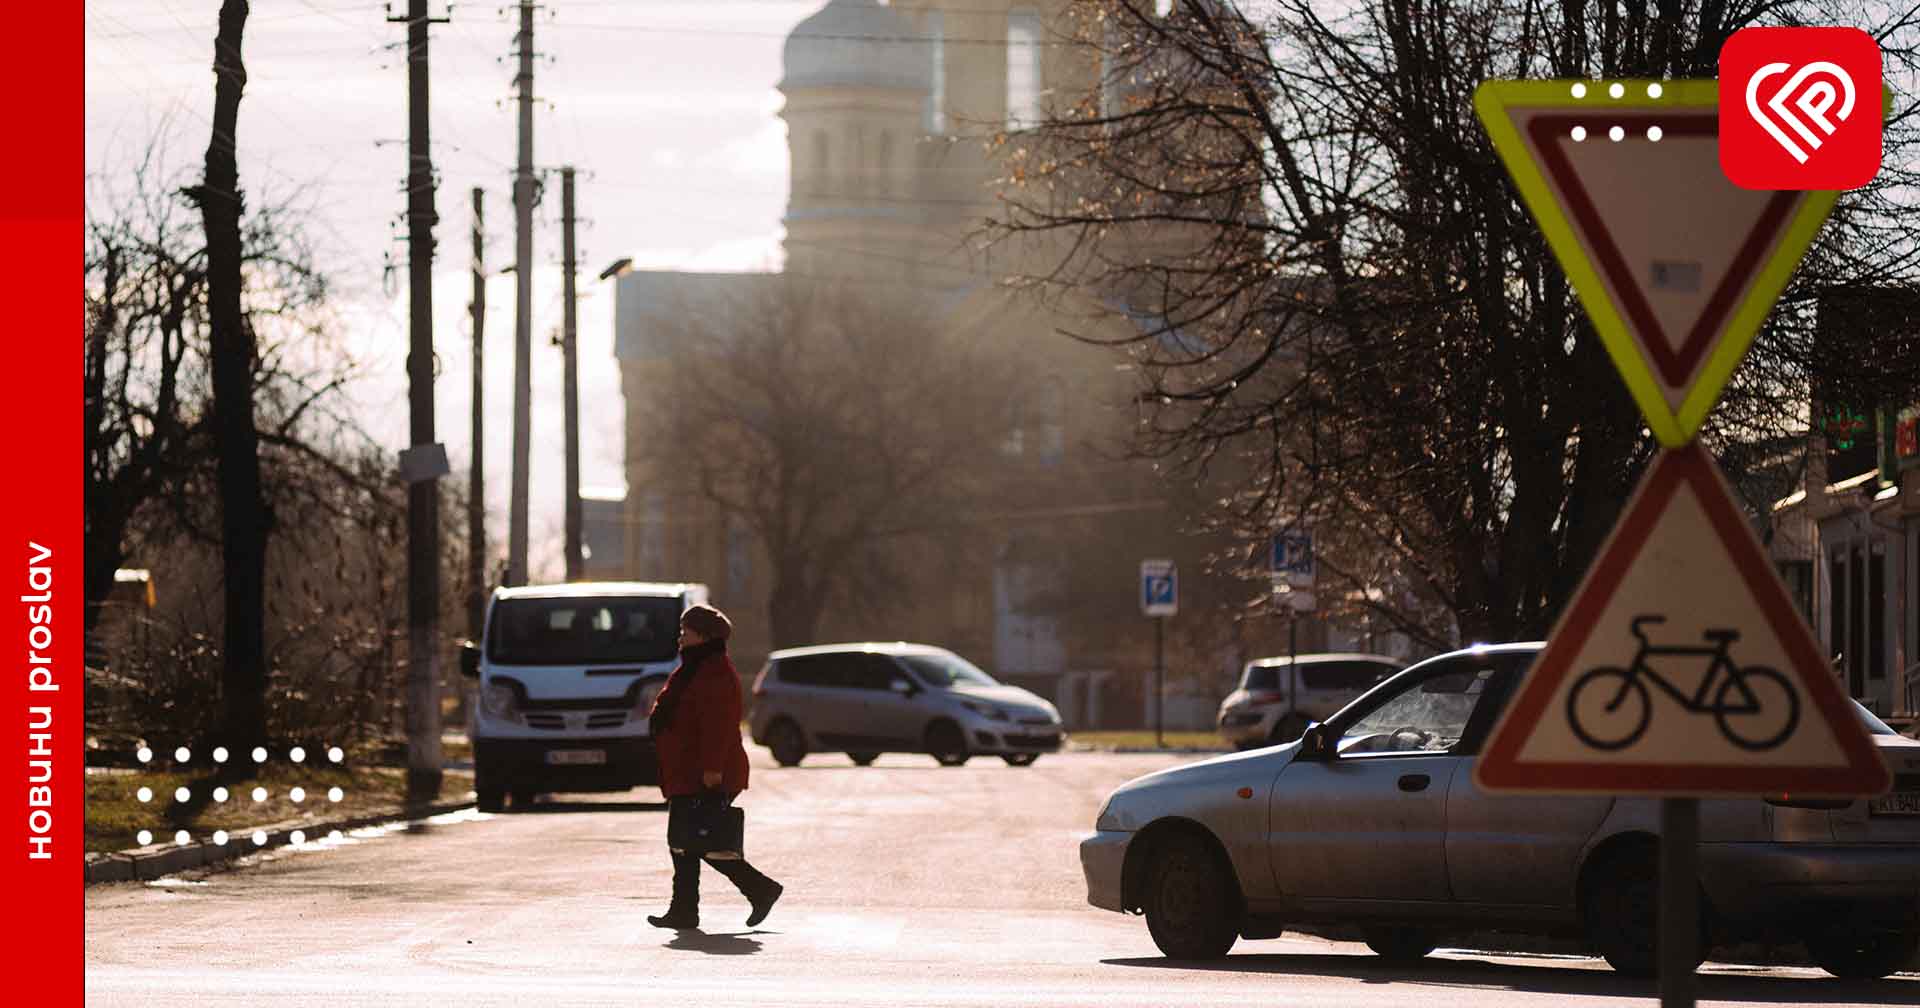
[{"x": 668, "y": 111}]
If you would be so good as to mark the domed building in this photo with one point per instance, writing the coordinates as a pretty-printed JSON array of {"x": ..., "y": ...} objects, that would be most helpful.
[
  {"x": 857, "y": 78},
  {"x": 887, "y": 107}
]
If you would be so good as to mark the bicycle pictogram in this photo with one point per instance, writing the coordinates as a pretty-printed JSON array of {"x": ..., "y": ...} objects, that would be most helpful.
[{"x": 1610, "y": 707}]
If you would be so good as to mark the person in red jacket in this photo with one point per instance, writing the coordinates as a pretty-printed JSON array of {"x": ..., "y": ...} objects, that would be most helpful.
[{"x": 695, "y": 724}]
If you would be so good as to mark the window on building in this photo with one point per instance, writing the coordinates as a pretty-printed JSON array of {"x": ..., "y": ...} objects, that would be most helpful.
[
  {"x": 1875, "y": 597},
  {"x": 1110, "y": 75},
  {"x": 1797, "y": 575},
  {"x": 1023, "y": 69},
  {"x": 822, "y": 160},
  {"x": 1837, "y": 612},
  {"x": 883, "y": 165},
  {"x": 857, "y": 161},
  {"x": 1050, "y": 428},
  {"x": 937, "y": 101}
]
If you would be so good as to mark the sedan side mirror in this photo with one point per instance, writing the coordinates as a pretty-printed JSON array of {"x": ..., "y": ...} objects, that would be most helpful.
[
  {"x": 1317, "y": 743},
  {"x": 470, "y": 659}
]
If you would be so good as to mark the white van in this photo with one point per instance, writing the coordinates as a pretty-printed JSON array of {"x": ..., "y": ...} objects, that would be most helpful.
[{"x": 566, "y": 673}]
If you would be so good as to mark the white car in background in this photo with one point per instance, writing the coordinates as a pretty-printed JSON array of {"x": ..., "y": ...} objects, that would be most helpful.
[
  {"x": 566, "y": 674},
  {"x": 1278, "y": 697}
]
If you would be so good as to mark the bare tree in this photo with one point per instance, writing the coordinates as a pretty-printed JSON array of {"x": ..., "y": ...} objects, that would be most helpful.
[
  {"x": 145, "y": 291},
  {"x": 245, "y": 521},
  {"x": 834, "y": 426},
  {"x": 1349, "y": 308}
]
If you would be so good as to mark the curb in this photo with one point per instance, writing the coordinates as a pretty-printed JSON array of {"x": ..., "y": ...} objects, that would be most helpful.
[
  {"x": 144, "y": 864},
  {"x": 1148, "y": 750}
]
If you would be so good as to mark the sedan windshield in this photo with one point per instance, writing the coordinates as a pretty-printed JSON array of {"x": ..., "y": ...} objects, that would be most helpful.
[
  {"x": 945, "y": 671},
  {"x": 1875, "y": 726},
  {"x": 583, "y": 631}
]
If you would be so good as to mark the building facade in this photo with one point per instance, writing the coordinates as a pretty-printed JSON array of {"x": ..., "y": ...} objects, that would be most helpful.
[
  {"x": 886, "y": 108},
  {"x": 1848, "y": 547}
]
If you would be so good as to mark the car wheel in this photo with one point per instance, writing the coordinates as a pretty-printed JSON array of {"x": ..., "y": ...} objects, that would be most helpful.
[
  {"x": 1287, "y": 729},
  {"x": 1855, "y": 953},
  {"x": 947, "y": 744},
  {"x": 1401, "y": 945},
  {"x": 492, "y": 797},
  {"x": 1191, "y": 907},
  {"x": 1622, "y": 910},
  {"x": 786, "y": 742},
  {"x": 1021, "y": 758},
  {"x": 863, "y": 758}
]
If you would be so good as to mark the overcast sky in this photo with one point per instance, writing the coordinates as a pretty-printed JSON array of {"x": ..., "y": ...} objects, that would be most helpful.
[{"x": 667, "y": 109}]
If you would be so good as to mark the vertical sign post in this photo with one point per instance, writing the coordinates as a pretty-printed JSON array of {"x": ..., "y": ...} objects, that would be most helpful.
[{"x": 1159, "y": 598}]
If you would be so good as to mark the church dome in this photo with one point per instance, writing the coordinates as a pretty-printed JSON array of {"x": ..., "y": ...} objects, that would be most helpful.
[{"x": 857, "y": 43}]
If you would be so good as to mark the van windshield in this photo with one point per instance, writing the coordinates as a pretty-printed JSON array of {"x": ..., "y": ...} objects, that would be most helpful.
[
  {"x": 945, "y": 671},
  {"x": 583, "y": 631}
]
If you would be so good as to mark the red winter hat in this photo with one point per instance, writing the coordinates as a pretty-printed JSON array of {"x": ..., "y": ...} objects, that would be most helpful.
[{"x": 708, "y": 622}]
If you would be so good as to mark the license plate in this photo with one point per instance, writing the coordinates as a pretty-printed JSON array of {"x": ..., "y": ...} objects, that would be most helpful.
[
  {"x": 576, "y": 757},
  {"x": 1899, "y": 803}
]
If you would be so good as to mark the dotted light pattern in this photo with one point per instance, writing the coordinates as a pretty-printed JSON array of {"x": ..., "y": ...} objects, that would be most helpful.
[
  {"x": 1616, "y": 90},
  {"x": 183, "y": 794}
]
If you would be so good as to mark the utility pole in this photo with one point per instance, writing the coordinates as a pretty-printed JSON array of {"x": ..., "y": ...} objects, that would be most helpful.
[
  {"x": 477, "y": 477},
  {"x": 569, "y": 351},
  {"x": 523, "y": 197},
  {"x": 425, "y": 460}
]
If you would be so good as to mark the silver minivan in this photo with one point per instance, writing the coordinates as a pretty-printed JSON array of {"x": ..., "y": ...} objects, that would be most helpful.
[
  {"x": 565, "y": 675},
  {"x": 868, "y": 699},
  {"x": 1278, "y": 697}
]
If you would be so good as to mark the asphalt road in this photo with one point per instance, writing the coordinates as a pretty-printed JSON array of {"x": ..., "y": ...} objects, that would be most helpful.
[{"x": 907, "y": 885}]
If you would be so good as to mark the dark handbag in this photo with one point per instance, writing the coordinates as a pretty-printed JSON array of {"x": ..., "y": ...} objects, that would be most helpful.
[{"x": 707, "y": 825}]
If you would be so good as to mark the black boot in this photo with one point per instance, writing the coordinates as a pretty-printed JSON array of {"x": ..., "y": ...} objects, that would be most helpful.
[
  {"x": 762, "y": 903},
  {"x": 684, "y": 911},
  {"x": 761, "y": 892}
]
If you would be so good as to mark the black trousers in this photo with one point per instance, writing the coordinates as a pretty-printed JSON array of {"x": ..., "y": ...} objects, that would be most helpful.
[{"x": 686, "y": 869}]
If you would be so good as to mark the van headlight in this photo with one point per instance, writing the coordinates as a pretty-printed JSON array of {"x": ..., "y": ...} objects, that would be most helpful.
[
  {"x": 498, "y": 700},
  {"x": 644, "y": 703}
]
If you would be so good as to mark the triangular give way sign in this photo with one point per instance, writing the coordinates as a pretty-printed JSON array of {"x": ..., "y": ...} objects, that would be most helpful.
[
  {"x": 1681, "y": 667},
  {"x": 1676, "y": 266}
]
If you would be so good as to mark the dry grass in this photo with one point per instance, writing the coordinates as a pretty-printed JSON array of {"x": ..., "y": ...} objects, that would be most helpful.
[{"x": 1145, "y": 740}]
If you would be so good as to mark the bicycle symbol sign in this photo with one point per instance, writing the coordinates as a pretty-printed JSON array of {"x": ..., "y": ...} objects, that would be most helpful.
[
  {"x": 1755, "y": 707},
  {"x": 1681, "y": 667}
]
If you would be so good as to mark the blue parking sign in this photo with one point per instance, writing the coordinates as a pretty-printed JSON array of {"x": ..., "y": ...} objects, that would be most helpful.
[
  {"x": 1292, "y": 556},
  {"x": 1159, "y": 588}
]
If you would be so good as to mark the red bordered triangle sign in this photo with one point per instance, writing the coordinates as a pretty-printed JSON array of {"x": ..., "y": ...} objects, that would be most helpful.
[
  {"x": 1676, "y": 266},
  {"x": 1682, "y": 667}
]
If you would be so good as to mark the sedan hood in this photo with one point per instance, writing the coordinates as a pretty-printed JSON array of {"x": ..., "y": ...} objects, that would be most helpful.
[
  {"x": 1144, "y": 799},
  {"x": 1007, "y": 696}
]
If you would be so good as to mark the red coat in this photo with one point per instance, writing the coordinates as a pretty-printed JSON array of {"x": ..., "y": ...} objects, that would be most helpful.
[{"x": 705, "y": 730}]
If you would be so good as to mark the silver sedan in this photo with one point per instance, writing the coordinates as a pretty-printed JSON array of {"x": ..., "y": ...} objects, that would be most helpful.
[{"x": 1373, "y": 820}]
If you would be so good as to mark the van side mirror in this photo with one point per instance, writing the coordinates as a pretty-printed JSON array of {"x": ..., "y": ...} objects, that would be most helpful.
[
  {"x": 1317, "y": 744},
  {"x": 470, "y": 659},
  {"x": 902, "y": 687}
]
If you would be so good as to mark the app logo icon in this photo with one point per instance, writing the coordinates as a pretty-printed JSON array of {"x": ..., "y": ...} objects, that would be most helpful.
[{"x": 1800, "y": 108}]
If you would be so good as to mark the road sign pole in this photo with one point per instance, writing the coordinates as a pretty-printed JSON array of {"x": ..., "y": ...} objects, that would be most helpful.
[
  {"x": 1293, "y": 658},
  {"x": 1679, "y": 900},
  {"x": 1159, "y": 682}
]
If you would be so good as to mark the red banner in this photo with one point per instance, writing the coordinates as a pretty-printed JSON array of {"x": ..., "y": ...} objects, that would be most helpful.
[{"x": 41, "y": 214}]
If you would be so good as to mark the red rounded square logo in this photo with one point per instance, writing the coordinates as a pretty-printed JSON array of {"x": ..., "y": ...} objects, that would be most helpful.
[{"x": 1800, "y": 108}]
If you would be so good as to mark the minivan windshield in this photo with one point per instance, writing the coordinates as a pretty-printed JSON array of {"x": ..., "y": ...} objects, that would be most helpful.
[
  {"x": 945, "y": 671},
  {"x": 584, "y": 631}
]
